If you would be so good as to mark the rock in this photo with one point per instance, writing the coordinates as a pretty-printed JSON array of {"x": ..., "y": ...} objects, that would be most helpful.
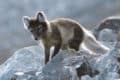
[
  {"x": 108, "y": 38},
  {"x": 107, "y": 35},
  {"x": 28, "y": 64},
  {"x": 107, "y": 62},
  {"x": 107, "y": 65},
  {"x": 86, "y": 69},
  {"x": 112, "y": 23},
  {"x": 56, "y": 69},
  {"x": 24, "y": 60},
  {"x": 108, "y": 76}
]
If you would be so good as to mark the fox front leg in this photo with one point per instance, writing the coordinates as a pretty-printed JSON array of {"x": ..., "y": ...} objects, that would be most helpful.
[
  {"x": 56, "y": 49},
  {"x": 47, "y": 54}
]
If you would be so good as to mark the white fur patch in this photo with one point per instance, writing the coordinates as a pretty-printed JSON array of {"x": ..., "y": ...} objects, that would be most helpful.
[
  {"x": 32, "y": 37},
  {"x": 25, "y": 20},
  {"x": 25, "y": 27}
]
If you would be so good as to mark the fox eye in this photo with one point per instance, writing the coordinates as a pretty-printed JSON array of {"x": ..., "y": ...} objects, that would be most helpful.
[{"x": 30, "y": 30}]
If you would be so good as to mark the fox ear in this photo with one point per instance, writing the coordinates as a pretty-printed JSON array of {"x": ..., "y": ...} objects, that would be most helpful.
[
  {"x": 25, "y": 20},
  {"x": 41, "y": 16}
]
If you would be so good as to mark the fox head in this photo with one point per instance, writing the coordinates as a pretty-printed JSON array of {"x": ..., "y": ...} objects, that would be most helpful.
[{"x": 36, "y": 25}]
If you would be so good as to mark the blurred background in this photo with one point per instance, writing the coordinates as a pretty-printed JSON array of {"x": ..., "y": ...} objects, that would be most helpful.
[{"x": 13, "y": 36}]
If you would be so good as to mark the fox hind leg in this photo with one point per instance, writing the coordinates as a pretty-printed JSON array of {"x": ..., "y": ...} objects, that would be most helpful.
[
  {"x": 77, "y": 39},
  {"x": 74, "y": 44}
]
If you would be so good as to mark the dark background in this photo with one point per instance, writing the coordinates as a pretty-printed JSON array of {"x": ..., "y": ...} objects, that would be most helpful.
[{"x": 12, "y": 34}]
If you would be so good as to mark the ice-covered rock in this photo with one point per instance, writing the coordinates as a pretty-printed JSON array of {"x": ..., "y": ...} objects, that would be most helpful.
[
  {"x": 28, "y": 64},
  {"x": 107, "y": 37},
  {"x": 24, "y": 60},
  {"x": 117, "y": 46},
  {"x": 107, "y": 62},
  {"x": 108, "y": 76},
  {"x": 112, "y": 23},
  {"x": 62, "y": 67},
  {"x": 56, "y": 69},
  {"x": 108, "y": 66}
]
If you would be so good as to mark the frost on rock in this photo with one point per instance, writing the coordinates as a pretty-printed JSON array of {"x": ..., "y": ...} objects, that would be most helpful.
[
  {"x": 108, "y": 38},
  {"x": 107, "y": 66},
  {"x": 107, "y": 35},
  {"x": 64, "y": 66},
  {"x": 28, "y": 64},
  {"x": 57, "y": 69},
  {"x": 24, "y": 60}
]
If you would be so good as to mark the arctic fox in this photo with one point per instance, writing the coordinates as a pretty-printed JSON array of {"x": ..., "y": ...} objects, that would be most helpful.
[{"x": 62, "y": 33}]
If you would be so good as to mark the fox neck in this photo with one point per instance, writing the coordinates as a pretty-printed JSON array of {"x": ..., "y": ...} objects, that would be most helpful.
[{"x": 48, "y": 33}]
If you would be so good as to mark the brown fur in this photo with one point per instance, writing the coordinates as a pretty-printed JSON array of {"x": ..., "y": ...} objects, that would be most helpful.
[
  {"x": 62, "y": 33},
  {"x": 55, "y": 38}
]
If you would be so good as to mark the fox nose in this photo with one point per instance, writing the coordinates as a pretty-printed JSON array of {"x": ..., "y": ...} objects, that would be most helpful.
[{"x": 36, "y": 38}]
